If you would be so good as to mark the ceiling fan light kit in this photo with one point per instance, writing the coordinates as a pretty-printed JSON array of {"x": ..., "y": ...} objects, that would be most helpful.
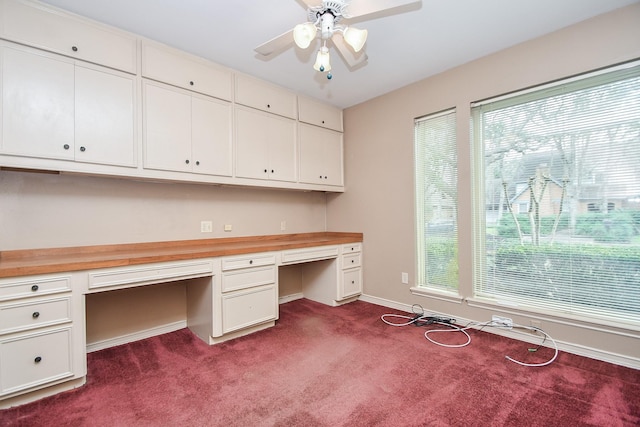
[{"x": 323, "y": 22}]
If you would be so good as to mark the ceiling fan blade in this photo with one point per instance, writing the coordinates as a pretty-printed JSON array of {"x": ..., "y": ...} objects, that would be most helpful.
[
  {"x": 359, "y": 8},
  {"x": 309, "y": 3},
  {"x": 276, "y": 45},
  {"x": 351, "y": 58}
]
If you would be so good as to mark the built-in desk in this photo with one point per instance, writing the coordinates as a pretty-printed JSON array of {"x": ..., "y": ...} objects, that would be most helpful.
[{"x": 232, "y": 290}]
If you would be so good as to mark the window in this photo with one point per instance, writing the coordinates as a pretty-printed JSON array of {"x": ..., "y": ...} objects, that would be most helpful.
[
  {"x": 568, "y": 241},
  {"x": 436, "y": 201}
]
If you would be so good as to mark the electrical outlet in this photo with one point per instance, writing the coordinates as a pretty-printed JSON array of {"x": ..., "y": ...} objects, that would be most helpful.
[
  {"x": 503, "y": 322},
  {"x": 405, "y": 278},
  {"x": 283, "y": 225},
  {"x": 228, "y": 227},
  {"x": 206, "y": 226}
]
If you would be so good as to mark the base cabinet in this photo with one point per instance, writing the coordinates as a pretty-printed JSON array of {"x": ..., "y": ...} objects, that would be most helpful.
[{"x": 41, "y": 333}]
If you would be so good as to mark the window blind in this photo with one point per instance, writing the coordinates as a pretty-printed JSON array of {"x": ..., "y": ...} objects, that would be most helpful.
[
  {"x": 558, "y": 197},
  {"x": 436, "y": 200}
]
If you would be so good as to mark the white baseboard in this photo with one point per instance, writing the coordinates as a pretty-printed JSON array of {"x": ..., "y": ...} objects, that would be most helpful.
[
  {"x": 289, "y": 298},
  {"x": 136, "y": 336},
  {"x": 580, "y": 350}
]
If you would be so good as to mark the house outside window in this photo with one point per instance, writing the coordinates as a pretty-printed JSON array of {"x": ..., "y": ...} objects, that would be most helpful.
[
  {"x": 436, "y": 177},
  {"x": 557, "y": 182}
]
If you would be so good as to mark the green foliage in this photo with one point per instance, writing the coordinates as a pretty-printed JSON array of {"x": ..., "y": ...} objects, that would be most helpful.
[
  {"x": 442, "y": 262},
  {"x": 607, "y": 227},
  {"x": 589, "y": 275},
  {"x": 507, "y": 226}
]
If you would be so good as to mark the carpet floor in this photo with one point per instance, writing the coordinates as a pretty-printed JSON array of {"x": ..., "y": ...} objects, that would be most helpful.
[{"x": 338, "y": 366}]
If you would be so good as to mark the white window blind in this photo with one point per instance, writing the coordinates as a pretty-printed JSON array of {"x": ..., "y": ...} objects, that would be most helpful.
[
  {"x": 558, "y": 197},
  {"x": 436, "y": 201}
]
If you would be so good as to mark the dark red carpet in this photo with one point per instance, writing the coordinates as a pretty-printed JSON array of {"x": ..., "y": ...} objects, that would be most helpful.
[{"x": 326, "y": 366}]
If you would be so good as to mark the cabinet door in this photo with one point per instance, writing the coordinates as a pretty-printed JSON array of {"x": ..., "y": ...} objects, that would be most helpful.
[
  {"x": 176, "y": 68},
  {"x": 252, "y": 151},
  {"x": 104, "y": 118},
  {"x": 35, "y": 25},
  {"x": 265, "y": 146},
  {"x": 321, "y": 156},
  {"x": 167, "y": 129},
  {"x": 211, "y": 137},
  {"x": 38, "y": 104},
  {"x": 282, "y": 149}
]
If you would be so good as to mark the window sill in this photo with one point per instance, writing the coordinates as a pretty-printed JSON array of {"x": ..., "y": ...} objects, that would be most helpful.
[{"x": 432, "y": 293}]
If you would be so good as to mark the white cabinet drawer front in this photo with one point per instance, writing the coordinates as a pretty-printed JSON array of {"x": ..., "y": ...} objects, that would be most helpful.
[
  {"x": 264, "y": 96},
  {"x": 34, "y": 314},
  {"x": 319, "y": 114},
  {"x": 31, "y": 360},
  {"x": 149, "y": 274},
  {"x": 241, "y": 279},
  {"x": 351, "y": 283},
  {"x": 57, "y": 32},
  {"x": 175, "y": 68},
  {"x": 35, "y": 286},
  {"x": 310, "y": 254},
  {"x": 234, "y": 263},
  {"x": 351, "y": 260},
  {"x": 352, "y": 247},
  {"x": 248, "y": 307}
]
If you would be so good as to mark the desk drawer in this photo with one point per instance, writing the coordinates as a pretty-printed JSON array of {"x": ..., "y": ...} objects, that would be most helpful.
[
  {"x": 30, "y": 360},
  {"x": 352, "y": 260},
  {"x": 149, "y": 274},
  {"x": 351, "y": 283},
  {"x": 246, "y": 261},
  {"x": 34, "y": 286},
  {"x": 241, "y": 279},
  {"x": 310, "y": 254},
  {"x": 249, "y": 307},
  {"x": 351, "y": 248},
  {"x": 34, "y": 314}
]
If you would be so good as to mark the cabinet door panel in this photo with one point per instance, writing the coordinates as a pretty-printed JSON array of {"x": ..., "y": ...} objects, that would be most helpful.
[
  {"x": 211, "y": 137},
  {"x": 167, "y": 131},
  {"x": 252, "y": 149},
  {"x": 38, "y": 105},
  {"x": 104, "y": 118},
  {"x": 282, "y": 149},
  {"x": 36, "y": 26},
  {"x": 321, "y": 156}
]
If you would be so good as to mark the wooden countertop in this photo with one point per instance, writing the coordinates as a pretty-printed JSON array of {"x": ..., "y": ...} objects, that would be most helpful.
[{"x": 27, "y": 262}]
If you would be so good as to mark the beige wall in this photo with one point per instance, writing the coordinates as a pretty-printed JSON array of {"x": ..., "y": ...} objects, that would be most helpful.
[
  {"x": 44, "y": 210},
  {"x": 379, "y": 161}
]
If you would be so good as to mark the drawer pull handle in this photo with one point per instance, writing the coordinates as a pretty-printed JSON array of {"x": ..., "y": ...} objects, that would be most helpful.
[
  {"x": 186, "y": 161},
  {"x": 352, "y": 261},
  {"x": 353, "y": 281},
  {"x": 38, "y": 359},
  {"x": 35, "y": 314},
  {"x": 74, "y": 48},
  {"x": 65, "y": 146},
  {"x": 83, "y": 149},
  {"x": 250, "y": 261},
  {"x": 191, "y": 83},
  {"x": 35, "y": 288}
]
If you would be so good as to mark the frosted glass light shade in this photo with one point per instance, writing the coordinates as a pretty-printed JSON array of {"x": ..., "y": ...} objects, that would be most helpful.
[
  {"x": 355, "y": 37},
  {"x": 322, "y": 60},
  {"x": 303, "y": 34}
]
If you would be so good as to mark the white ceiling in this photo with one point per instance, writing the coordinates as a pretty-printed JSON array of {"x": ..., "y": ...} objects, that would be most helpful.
[{"x": 403, "y": 48}]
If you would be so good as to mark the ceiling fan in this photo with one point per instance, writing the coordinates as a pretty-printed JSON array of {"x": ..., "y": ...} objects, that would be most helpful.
[{"x": 327, "y": 22}]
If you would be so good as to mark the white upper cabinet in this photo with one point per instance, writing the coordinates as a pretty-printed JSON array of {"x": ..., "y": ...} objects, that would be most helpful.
[
  {"x": 319, "y": 114},
  {"x": 185, "y": 132},
  {"x": 265, "y": 146},
  {"x": 176, "y": 68},
  {"x": 49, "y": 29},
  {"x": 55, "y": 109},
  {"x": 321, "y": 154},
  {"x": 264, "y": 96}
]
